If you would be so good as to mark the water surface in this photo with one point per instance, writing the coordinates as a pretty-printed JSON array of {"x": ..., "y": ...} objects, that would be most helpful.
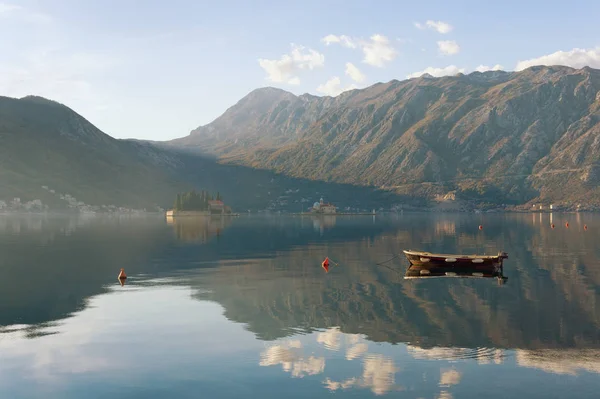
[{"x": 228, "y": 308}]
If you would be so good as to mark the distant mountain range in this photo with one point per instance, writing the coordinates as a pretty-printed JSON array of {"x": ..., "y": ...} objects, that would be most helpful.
[
  {"x": 480, "y": 139},
  {"x": 493, "y": 137},
  {"x": 50, "y": 153}
]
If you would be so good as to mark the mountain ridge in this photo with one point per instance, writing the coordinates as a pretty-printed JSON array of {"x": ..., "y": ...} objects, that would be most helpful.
[
  {"x": 52, "y": 154},
  {"x": 495, "y": 136}
]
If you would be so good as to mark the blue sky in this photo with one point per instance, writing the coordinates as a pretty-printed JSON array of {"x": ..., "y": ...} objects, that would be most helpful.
[{"x": 156, "y": 70}]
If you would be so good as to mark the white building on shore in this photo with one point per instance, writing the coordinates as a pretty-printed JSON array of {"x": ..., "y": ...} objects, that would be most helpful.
[{"x": 322, "y": 207}]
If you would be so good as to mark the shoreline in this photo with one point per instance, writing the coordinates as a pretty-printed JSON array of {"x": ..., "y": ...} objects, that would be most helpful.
[
  {"x": 172, "y": 214},
  {"x": 334, "y": 214},
  {"x": 60, "y": 212}
]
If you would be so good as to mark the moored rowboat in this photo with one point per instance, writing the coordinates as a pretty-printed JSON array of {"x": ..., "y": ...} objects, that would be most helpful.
[{"x": 420, "y": 258}]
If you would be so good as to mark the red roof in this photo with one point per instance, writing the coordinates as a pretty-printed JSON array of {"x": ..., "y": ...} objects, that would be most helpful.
[{"x": 215, "y": 202}]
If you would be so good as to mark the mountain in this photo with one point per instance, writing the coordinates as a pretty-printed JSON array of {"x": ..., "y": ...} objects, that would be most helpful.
[
  {"x": 266, "y": 117},
  {"x": 498, "y": 137},
  {"x": 44, "y": 143},
  {"x": 50, "y": 153}
]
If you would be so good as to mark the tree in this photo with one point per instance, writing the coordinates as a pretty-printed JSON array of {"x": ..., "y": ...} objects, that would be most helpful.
[{"x": 194, "y": 200}]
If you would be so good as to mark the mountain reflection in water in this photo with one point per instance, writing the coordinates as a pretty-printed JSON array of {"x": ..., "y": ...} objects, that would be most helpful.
[{"x": 360, "y": 327}]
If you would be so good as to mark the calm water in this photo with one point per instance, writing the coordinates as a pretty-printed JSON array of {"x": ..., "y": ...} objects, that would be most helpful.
[{"x": 242, "y": 308}]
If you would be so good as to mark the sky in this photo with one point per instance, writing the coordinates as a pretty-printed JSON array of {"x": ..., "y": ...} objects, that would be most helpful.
[{"x": 156, "y": 70}]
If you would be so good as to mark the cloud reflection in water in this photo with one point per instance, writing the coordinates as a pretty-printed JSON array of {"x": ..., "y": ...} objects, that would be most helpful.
[
  {"x": 291, "y": 358},
  {"x": 378, "y": 371}
]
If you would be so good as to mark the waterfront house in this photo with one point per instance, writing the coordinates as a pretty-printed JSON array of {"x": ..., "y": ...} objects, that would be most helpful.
[{"x": 216, "y": 206}]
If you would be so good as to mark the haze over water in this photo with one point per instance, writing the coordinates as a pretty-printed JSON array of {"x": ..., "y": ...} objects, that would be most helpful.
[{"x": 229, "y": 308}]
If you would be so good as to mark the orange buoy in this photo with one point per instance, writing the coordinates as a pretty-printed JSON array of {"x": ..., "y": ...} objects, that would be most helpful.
[
  {"x": 567, "y": 225},
  {"x": 552, "y": 225},
  {"x": 480, "y": 227},
  {"x": 122, "y": 275},
  {"x": 325, "y": 265},
  {"x": 585, "y": 226}
]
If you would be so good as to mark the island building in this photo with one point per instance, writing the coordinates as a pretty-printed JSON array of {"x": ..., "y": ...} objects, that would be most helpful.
[
  {"x": 322, "y": 207},
  {"x": 216, "y": 206}
]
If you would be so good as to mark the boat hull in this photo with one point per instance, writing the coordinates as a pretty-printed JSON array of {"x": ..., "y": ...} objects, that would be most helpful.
[
  {"x": 455, "y": 261},
  {"x": 428, "y": 265}
]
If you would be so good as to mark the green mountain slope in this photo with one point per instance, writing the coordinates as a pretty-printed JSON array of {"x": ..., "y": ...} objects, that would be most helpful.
[
  {"x": 493, "y": 136},
  {"x": 43, "y": 143},
  {"x": 48, "y": 151}
]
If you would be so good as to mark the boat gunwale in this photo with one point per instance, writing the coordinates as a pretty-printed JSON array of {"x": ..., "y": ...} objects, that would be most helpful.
[
  {"x": 453, "y": 256},
  {"x": 446, "y": 276}
]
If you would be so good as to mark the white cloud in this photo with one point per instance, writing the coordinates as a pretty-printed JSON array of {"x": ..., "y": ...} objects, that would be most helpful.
[
  {"x": 450, "y": 377},
  {"x": 439, "y": 26},
  {"x": 290, "y": 357},
  {"x": 333, "y": 87},
  {"x": 570, "y": 361},
  {"x": 377, "y": 50},
  {"x": 576, "y": 58},
  {"x": 356, "y": 351},
  {"x": 484, "y": 68},
  {"x": 335, "y": 385},
  {"x": 354, "y": 73},
  {"x": 378, "y": 375},
  {"x": 448, "y": 47},
  {"x": 450, "y": 70},
  {"x": 330, "y": 338},
  {"x": 6, "y": 8},
  {"x": 344, "y": 40},
  {"x": 285, "y": 69},
  {"x": 437, "y": 353},
  {"x": 22, "y": 14}
]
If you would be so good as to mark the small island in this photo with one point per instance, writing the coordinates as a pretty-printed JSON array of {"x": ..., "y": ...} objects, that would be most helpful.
[
  {"x": 195, "y": 203},
  {"x": 322, "y": 208}
]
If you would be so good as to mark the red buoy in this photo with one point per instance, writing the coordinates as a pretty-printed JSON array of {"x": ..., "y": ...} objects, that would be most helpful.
[
  {"x": 480, "y": 227},
  {"x": 122, "y": 275},
  {"x": 585, "y": 226},
  {"x": 567, "y": 225},
  {"x": 552, "y": 225},
  {"x": 325, "y": 265}
]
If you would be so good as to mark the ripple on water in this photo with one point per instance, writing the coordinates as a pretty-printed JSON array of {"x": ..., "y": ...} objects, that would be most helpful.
[{"x": 482, "y": 355}]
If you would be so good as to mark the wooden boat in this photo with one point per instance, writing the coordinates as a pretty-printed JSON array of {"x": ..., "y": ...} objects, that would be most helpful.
[
  {"x": 453, "y": 261},
  {"x": 427, "y": 265}
]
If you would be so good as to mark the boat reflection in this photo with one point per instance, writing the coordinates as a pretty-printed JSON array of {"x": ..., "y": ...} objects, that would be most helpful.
[{"x": 431, "y": 271}]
